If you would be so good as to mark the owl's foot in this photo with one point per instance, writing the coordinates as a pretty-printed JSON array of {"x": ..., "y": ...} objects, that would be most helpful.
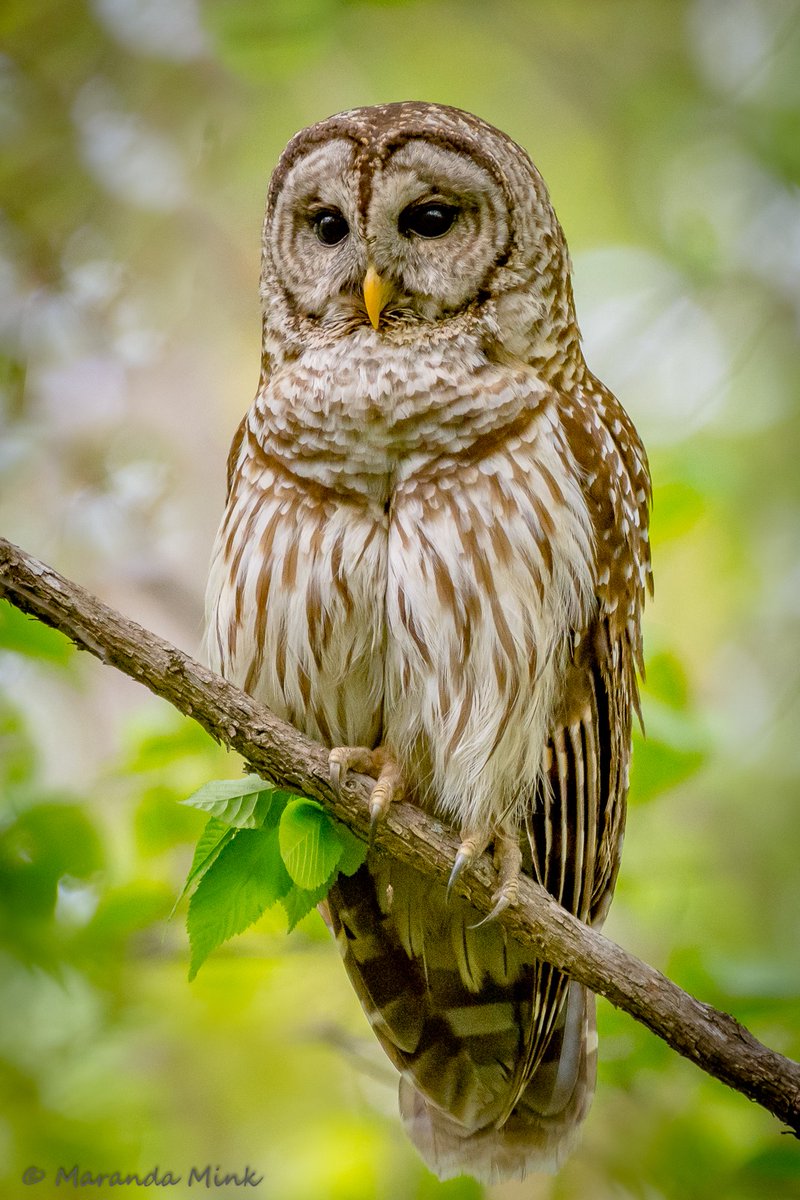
[
  {"x": 508, "y": 864},
  {"x": 381, "y": 765},
  {"x": 507, "y": 861},
  {"x": 472, "y": 846}
]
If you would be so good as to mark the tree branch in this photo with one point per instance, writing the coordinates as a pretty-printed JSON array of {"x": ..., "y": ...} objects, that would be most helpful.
[{"x": 715, "y": 1041}]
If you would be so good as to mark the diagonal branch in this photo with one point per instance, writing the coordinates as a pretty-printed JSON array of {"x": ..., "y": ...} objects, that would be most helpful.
[{"x": 715, "y": 1041}]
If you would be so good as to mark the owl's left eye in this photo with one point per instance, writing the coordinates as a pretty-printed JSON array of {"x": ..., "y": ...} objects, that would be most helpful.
[
  {"x": 330, "y": 226},
  {"x": 427, "y": 220}
]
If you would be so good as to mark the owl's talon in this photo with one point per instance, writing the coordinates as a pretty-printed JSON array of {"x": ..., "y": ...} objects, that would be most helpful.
[
  {"x": 375, "y": 815},
  {"x": 378, "y": 806},
  {"x": 471, "y": 848},
  {"x": 342, "y": 758},
  {"x": 506, "y": 896},
  {"x": 462, "y": 860},
  {"x": 381, "y": 765},
  {"x": 388, "y": 787},
  {"x": 502, "y": 902},
  {"x": 508, "y": 861}
]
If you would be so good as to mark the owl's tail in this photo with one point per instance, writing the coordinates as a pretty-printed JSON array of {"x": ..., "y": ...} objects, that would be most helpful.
[{"x": 543, "y": 1127}]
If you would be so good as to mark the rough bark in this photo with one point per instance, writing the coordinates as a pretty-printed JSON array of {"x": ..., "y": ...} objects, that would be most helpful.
[{"x": 712, "y": 1039}]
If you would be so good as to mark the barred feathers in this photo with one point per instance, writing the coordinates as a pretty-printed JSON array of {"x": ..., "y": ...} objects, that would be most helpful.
[{"x": 436, "y": 541}]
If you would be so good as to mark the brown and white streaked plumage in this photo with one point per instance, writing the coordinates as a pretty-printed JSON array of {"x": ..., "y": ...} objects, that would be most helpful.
[{"x": 435, "y": 549}]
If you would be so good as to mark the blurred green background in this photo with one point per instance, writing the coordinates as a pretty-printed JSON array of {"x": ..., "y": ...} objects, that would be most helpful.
[{"x": 137, "y": 140}]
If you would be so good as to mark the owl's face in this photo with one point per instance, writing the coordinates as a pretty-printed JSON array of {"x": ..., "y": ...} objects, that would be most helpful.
[
  {"x": 431, "y": 224},
  {"x": 405, "y": 214}
]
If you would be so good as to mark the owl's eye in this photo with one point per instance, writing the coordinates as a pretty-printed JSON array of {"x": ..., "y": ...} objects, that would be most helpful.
[
  {"x": 427, "y": 220},
  {"x": 330, "y": 227}
]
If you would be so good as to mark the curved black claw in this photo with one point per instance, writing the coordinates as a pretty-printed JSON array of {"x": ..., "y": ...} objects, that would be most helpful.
[{"x": 463, "y": 859}]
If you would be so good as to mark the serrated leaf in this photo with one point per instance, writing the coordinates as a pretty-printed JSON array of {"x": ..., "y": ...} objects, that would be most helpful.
[
  {"x": 354, "y": 851},
  {"x": 299, "y": 902},
  {"x": 309, "y": 843},
  {"x": 244, "y": 803},
  {"x": 213, "y": 841},
  {"x": 246, "y": 878}
]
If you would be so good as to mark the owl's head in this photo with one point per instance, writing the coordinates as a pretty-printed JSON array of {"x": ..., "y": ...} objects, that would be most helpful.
[{"x": 412, "y": 214}]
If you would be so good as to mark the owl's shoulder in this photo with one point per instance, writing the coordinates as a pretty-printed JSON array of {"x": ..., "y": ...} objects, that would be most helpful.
[
  {"x": 616, "y": 480},
  {"x": 234, "y": 453}
]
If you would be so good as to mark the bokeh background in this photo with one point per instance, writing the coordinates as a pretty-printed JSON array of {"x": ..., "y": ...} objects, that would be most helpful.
[{"x": 137, "y": 140}]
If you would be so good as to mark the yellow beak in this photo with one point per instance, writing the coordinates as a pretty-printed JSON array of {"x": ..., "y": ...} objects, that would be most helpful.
[{"x": 376, "y": 293}]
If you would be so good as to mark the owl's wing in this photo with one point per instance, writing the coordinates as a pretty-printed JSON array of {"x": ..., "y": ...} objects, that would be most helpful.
[
  {"x": 576, "y": 825},
  {"x": 574, "y": 840},
  {"x": 590, "y": 744},
  {"x": 574, "y": 829}
]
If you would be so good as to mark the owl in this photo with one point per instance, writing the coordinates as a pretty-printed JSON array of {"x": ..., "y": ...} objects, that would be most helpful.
[{"x": 433, "y": 560}]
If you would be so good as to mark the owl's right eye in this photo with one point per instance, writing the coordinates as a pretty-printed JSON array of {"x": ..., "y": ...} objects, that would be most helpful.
[{"x": 330, "y": 226}]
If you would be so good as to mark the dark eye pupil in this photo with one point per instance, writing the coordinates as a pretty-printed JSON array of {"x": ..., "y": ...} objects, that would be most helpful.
[
  {"x": 427, "y": 220},
  {"x": 330, "y": 227}
]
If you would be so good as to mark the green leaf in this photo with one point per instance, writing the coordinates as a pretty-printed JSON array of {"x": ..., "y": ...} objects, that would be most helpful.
[
  {"x": 309, "y": 843},
  {"x": 213, "y": 840},
  {"x": 354, "y": 851},
  {"x": 676, "y": 745},
  {"x": 244, "y": 803},
  {"x": 245, "y": 879},
  {"x": 299, "y": 902}
]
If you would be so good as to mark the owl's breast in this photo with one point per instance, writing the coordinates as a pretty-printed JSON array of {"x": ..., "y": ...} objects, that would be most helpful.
[
  {"x": 295, "y": 602},
  {"x": 349, "y": 417},
  {"x": 490, "y": 568},
  {"x": 404, "y": 553}
]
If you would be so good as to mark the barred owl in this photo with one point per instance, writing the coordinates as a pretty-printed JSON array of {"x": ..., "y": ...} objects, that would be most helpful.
[{"x": 433, "y": 560}]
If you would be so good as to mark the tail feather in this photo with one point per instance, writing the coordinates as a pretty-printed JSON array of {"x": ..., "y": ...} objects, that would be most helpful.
[
  {"x": 496, "y": 1049},
  {"x": 544, "y": 1126}
]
